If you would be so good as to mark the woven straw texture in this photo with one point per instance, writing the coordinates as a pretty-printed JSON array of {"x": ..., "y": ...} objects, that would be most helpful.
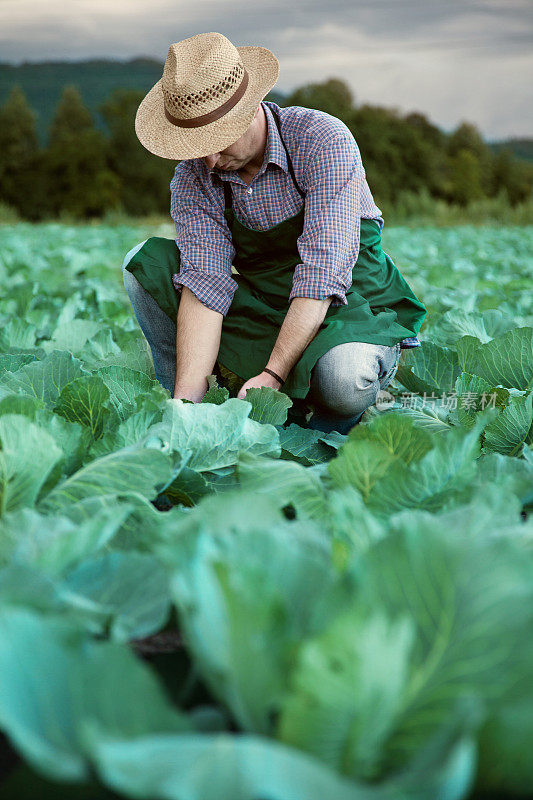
[{"x": 200, "y": 74}]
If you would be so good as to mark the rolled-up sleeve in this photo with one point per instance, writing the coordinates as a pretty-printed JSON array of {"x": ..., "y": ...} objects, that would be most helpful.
[
  {"x": 204, "y": 242},
  {"x": 329, "y": 243}
]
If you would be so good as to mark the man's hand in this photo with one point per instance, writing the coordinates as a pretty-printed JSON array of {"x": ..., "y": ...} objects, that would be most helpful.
[{"x": 264, "y": 379}]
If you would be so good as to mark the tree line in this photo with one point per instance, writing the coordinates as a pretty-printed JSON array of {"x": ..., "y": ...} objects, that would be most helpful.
[{"x": 84, "y": 173}]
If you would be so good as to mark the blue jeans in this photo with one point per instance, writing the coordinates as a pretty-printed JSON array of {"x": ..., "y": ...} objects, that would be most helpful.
[{"x": 345, "y": 381}]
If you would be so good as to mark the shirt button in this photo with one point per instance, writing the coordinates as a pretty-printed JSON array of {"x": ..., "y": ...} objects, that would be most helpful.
[{"x": 249, "y": 191}]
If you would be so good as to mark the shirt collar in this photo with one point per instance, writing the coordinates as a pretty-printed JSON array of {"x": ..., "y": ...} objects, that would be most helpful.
[{"x": 274, "y": 150}]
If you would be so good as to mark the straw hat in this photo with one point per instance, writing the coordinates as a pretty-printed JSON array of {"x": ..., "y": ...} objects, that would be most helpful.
[{"x": 207, "y": 97}]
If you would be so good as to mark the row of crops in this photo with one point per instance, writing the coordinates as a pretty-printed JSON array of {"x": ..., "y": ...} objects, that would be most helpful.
[{"x": 351, "y": 616}]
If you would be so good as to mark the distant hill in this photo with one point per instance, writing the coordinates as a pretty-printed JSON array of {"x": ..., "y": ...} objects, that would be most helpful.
[
  {"x": 97, "y": 78},
  {"x": 521, "y": 148}
]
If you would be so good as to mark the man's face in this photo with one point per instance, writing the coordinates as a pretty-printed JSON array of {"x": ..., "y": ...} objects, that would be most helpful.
[
  {"x": 237, "y": 155},
  {"x": 233, "y": 157}
]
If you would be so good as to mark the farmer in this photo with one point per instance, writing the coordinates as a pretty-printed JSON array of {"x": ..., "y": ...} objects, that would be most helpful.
[{"x": 316, "y": 308}]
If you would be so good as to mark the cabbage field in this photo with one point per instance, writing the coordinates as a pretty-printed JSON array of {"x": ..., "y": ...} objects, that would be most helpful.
[{"x": 205, "y": 602}]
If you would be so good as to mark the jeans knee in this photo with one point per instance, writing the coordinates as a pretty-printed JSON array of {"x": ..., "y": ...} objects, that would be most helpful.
[
  {"x": 348, "y": 395},
  {"x": 348, "y": 378},
  {"x": 131, "y": 285}
]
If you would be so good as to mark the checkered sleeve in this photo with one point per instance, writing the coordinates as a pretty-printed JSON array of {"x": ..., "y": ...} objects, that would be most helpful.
[
  {"x": 204, "y": 242},
  {"x": 329, "y": 243}
]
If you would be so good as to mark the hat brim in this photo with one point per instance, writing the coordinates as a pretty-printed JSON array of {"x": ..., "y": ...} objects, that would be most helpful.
[{"x": 166, "y": 140}]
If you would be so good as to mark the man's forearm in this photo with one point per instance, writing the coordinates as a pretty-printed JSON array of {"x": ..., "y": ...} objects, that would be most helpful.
[
  {"x": 198, "y": 331},
  {"x": 301, "y": 324}
]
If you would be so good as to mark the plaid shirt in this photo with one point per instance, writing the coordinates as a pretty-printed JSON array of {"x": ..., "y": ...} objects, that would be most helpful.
[{"x": 320, "y": 146}]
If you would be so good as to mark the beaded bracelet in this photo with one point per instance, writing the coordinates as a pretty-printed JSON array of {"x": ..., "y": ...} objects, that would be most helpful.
[{"x": 271, "y": 372}]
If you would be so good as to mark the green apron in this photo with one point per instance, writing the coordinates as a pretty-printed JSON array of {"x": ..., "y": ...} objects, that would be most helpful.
[{"x": 381, "y": 307}]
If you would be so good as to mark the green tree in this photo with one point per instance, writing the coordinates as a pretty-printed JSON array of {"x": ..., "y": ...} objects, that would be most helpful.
[
  {"x": 466, "y": 137},
  {"x": 429, "y": 132},
  {"x": 417, "y": 162},
  {"x": 396, "y": 154},
  {"x": 144, "y": 178},
  {"x": 464, "y": 178},
  {"x": 72, "y": 118},
  {"x": 511, "y": 174},
  {"x": 19, "y": 153},
  {"x": 333, "y": 96},
  {"x": 370, "y": 127},
  {"x": 79, "y": 181}
]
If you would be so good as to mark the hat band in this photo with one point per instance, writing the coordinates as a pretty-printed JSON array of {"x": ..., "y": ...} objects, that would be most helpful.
[{"x": 205, "y": 119}]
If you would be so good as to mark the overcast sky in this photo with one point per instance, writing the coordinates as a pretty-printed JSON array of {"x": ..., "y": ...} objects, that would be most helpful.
[{"x": 453, "y": 60}]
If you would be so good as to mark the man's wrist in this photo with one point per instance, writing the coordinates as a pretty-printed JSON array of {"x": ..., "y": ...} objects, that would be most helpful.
[
  {"x": 275, "y": 374},
  {"x": 190, "y": 390}
]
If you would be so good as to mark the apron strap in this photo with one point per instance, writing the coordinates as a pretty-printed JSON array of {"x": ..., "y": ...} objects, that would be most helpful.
[
  {"x": 228, "y": 195},
  {"x": 289, "y": 160}
]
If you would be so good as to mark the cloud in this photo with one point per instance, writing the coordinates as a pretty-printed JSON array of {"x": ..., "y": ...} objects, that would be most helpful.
[{"x": 454, "y": 60}]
